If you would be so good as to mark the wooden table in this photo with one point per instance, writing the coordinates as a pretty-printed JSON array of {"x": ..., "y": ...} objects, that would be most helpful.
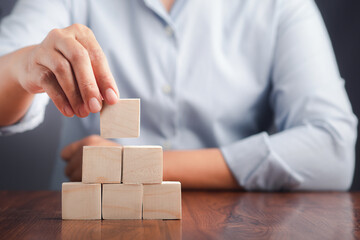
[{"x": 206, "y": 215}]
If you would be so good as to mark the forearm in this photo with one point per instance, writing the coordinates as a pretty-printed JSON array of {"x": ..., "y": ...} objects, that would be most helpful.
[
  {"x": 199, "y": 169},
  {"x": 14, "y": 100},
  {"x": 321, "y": 157}
]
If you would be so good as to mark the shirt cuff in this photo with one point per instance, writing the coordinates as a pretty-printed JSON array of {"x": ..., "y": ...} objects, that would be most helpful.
[
  {"x": 33, "y": 117},
  {"x": 256, "y": 167}
]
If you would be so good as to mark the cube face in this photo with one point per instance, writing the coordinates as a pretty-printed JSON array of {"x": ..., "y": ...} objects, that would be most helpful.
[
  {"x": 122, "y": 201},
  {"x": 162, "y": 201},
  {"x": 121, "y": 120},
  {"x": 142, "y": 164},
  {"x": 81, "y": 201},
  {"x": 102, "y": 164}
]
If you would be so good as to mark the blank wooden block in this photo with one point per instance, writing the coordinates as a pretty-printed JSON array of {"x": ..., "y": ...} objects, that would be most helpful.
[
  {"x": 121, "y": 120},
  {"x": 162, "y": 201},
  {"x": 122, "y": 201},
  {"x": 142, "y": 164},
  {"x": 81, "y": 201},
  {"x": 102, "y": 164}
]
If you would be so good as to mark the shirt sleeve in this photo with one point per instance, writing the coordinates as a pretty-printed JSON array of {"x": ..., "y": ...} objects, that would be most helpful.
[
  {"x": 28, "y": 24},
  {"x": 314, "y": 147}
]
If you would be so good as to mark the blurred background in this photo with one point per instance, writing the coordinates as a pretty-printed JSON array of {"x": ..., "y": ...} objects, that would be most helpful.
[{"x": 25, "y": 159}]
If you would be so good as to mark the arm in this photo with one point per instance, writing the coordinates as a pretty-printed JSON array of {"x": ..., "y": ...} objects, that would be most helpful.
[
  {"x": 315, "y": 115},
  {"x": 25, "y": 26},
  {"x": 314, "y": 148},
  {"x": 198, "y": 169},
  {"x": 12, "y": 106}
]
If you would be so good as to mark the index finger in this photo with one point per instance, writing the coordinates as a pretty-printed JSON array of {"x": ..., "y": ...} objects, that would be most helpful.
[
  {"x": 102, "y": 72},
  {"x": 70, "y": 149}
]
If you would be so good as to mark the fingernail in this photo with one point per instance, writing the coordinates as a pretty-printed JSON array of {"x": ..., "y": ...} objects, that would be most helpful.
[
  {"x": 94, "y": 105},
  {"x": 111, "y": 96},
  {"x": 68, "y": 111}
]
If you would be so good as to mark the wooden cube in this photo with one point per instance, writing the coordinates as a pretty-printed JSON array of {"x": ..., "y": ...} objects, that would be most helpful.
[
  {"x": 81, "y": 201},
  {"x": 121, "y": 120},
  {"x": 102, "y": 164},
  {"x": 142, "y": 164},
  {"x": 122, "y": 201},
  {"x": 162, "y": 201}
]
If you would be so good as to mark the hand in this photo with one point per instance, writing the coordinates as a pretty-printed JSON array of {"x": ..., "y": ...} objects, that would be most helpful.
[
  {"x": 72, "y": 154},
  {"x": 70, "y": 66}
]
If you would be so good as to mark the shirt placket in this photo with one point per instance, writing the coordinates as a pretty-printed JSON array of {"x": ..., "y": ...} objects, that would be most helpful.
[{"x": 170, "y": 73}]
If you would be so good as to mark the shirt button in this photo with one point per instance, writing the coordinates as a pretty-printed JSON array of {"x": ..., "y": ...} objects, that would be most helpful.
[
  {"x": 167, "y": 145},
  {"x": 169, "y": 31},
  {"x": 166, "y": 89}
]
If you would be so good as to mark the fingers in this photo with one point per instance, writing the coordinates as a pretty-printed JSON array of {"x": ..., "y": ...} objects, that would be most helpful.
[
  {"x": 53, "y": 89},
  {"x": 79, "y": 59},
  {"x": 74, "y": 164},
  {"x": 73, "y": 155},
  {"x": 76, "y": 176},
  {"x": 66, "y": 85},
  {"x": 71, "y": 149},
  {"x": 91, "y": 140},
  {"x": 103, "y": 75}
]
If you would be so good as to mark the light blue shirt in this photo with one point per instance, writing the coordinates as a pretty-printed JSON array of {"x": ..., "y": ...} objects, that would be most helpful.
[{"x": 214, "y": 74}]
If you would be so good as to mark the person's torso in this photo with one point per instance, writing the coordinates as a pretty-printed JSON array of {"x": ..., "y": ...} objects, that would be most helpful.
[{"x": 202, "y": 72}]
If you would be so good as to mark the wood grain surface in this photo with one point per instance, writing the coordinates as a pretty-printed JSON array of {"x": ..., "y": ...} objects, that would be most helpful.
[
  {"x": 142, "y": 164},
  {"x": 206, "y": 215},
  {"x": 121, "y": 120},
  {"x": 101, "y": 164}
]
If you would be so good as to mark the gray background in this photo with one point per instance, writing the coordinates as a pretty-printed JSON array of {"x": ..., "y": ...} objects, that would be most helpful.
[{"x": 25, "y": 159}]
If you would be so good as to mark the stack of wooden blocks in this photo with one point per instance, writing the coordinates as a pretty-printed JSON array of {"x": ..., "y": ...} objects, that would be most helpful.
[{"x": 121, "y": 182}]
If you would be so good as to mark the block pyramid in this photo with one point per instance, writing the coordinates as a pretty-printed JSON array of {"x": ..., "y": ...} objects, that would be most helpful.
[{"x": 121, "y": 182}]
